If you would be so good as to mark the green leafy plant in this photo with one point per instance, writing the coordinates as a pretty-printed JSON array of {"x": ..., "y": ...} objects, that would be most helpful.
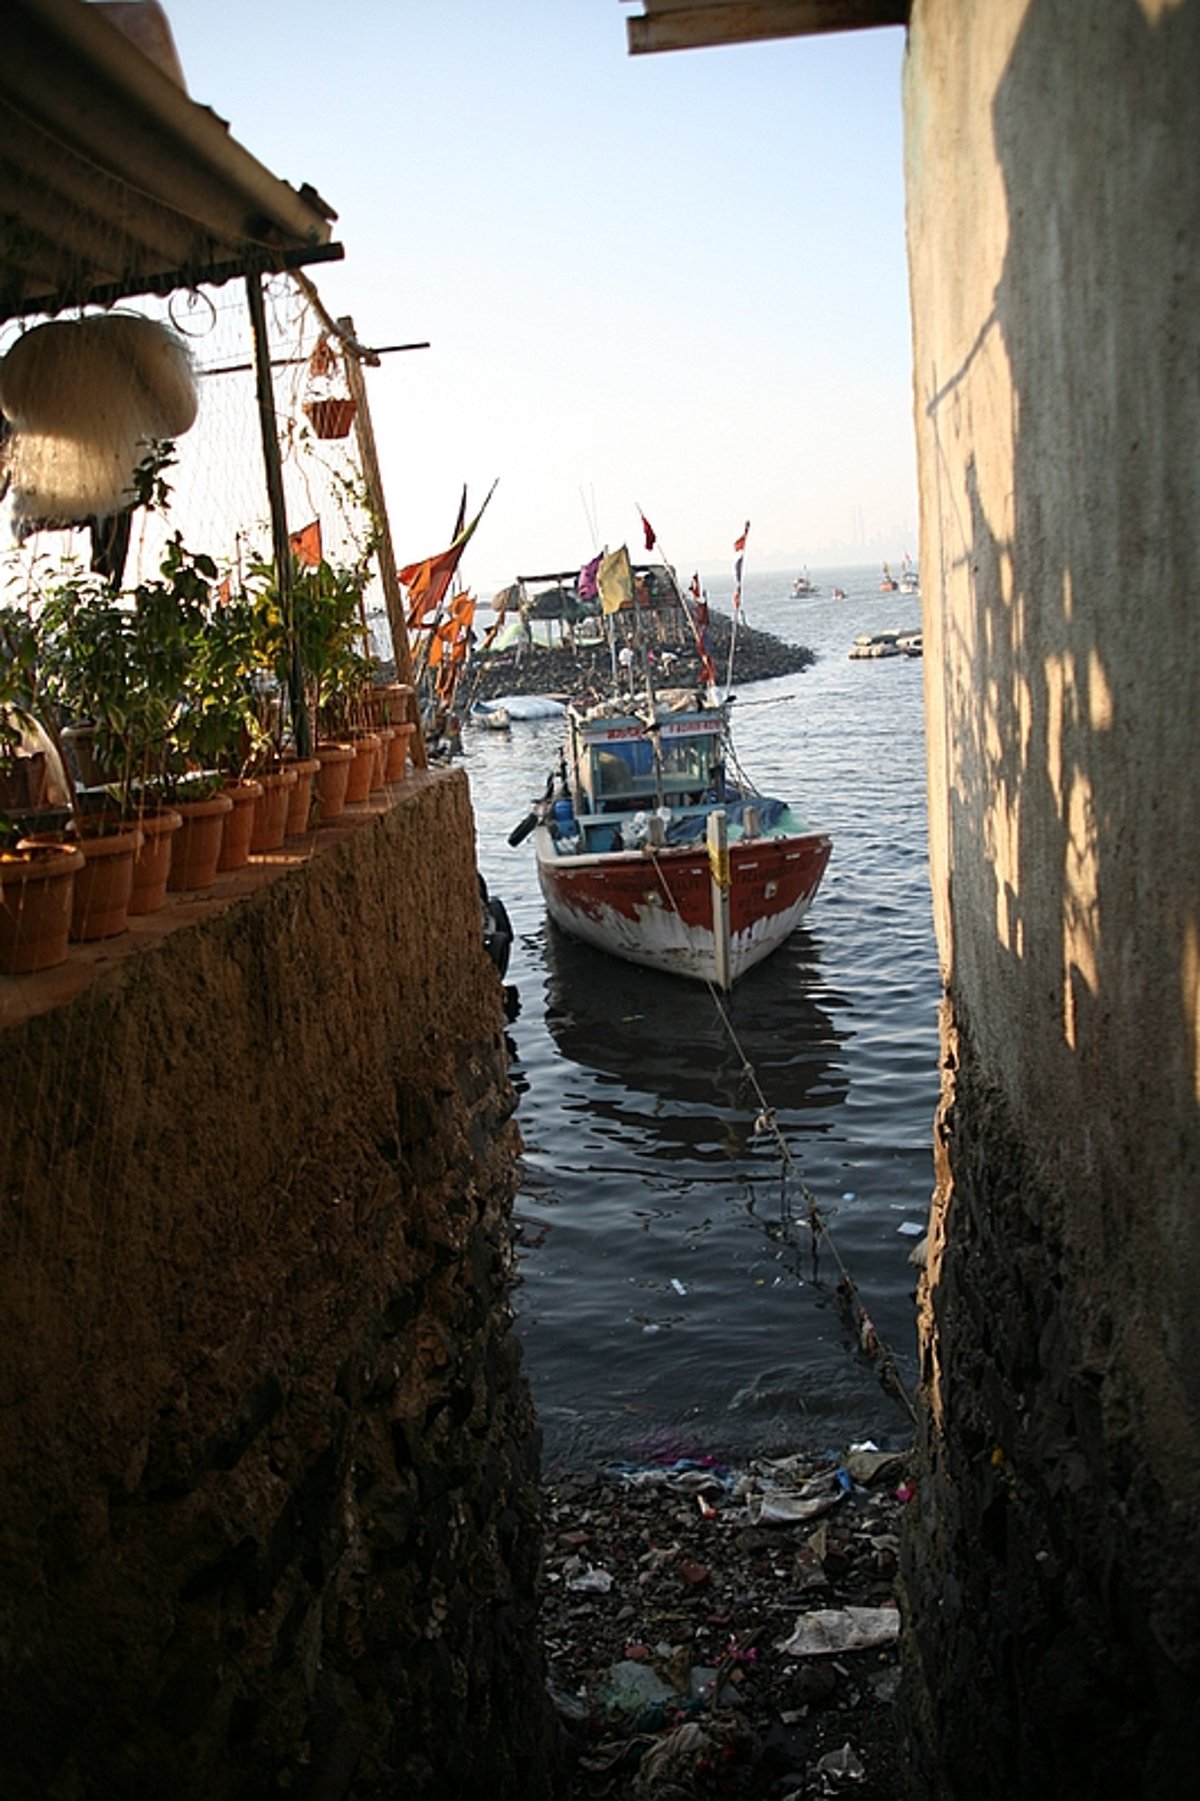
[
  {"x": 327, "y": 610},
  {"x": 18, "y": 684}
]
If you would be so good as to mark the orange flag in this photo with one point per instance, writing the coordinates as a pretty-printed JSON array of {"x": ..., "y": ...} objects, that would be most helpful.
[
  {"x": 428, "y": 582},
  {"x": 305, "y": 545}
]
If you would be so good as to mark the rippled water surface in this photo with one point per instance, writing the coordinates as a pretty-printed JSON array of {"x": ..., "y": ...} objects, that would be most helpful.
[{"x": 666, "y": 1302}]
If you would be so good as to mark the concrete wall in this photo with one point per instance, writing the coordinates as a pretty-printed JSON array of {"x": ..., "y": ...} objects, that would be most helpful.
[
  {"x": 268, "y": 1486},
  {"x": 1053, "y": 177}
]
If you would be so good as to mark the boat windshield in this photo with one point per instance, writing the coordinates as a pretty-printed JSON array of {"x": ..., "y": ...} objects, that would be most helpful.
[{"x": 619, "y": 770}]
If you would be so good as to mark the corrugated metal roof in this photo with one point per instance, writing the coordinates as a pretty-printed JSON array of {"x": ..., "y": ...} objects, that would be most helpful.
[
  {"x": 114, "y": 183},
  {"x": 694, "y": 24}
]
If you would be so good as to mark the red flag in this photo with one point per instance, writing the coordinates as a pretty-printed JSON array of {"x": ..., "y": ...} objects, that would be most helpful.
[
  {"x": 647, "y": 530},
  {"x": 739, "y": 545},
  {"x": 305, "y": 545}
]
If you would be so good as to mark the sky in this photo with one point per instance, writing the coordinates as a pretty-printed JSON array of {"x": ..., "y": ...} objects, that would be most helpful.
[{"x": 672, "y": 282}]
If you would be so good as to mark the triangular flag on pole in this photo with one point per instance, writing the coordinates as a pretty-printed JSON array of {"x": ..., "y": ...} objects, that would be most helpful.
[{"x": 428, "y": 582}]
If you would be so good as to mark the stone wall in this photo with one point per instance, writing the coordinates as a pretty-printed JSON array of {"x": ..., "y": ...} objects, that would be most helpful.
[
  {"x": 1053, "y": 1568},
  {"x": 268, "y": 1491}
]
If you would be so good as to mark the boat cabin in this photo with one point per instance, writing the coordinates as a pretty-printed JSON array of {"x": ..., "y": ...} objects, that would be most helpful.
[{"x": 620, "y": 765}]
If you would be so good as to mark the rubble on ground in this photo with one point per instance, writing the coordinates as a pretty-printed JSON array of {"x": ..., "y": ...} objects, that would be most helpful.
[{"x": 712, "y": 1632}]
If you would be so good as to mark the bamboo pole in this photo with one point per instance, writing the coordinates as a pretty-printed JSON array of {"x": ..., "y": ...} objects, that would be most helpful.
[
  {"x": 281, "y": 548},
  {"x": 365, "y": 436}
]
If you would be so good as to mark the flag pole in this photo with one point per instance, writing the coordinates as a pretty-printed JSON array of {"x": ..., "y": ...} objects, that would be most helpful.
[
  {"x": 740, "y": 547},
  {"x": 687, "y": 611}
]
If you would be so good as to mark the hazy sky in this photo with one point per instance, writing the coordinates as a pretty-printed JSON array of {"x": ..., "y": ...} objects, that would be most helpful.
[{"x": 674, "y": 281}]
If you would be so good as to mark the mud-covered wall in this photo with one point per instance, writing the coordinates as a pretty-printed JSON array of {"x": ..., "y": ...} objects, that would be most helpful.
[
  {"x": 268, "y": 1474},
  {"x": 1054, "y": 1564}
]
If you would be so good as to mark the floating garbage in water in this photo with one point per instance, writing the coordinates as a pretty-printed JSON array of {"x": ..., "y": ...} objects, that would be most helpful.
[
  {"x": 678, "y": 1286},
  {"x": 911, "y": 1228}
]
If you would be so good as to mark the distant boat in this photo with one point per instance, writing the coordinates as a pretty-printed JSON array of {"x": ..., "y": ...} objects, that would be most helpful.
[
  {"x": 889, "y": 584},
  {"x": 910, "y": 581},
  {"x": 839, "y": 594},
  {"x": 804, "y": 585},
  {"x": 875, "y": 644}
]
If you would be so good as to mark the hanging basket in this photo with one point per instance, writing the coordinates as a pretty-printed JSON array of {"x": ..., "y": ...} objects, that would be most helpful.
[{"x": 331, "y": 418}]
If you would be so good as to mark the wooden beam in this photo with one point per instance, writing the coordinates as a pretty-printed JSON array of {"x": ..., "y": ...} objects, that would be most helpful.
[
  {"x": 697, "y": 24},
  {"x": 369, "y": 457}
]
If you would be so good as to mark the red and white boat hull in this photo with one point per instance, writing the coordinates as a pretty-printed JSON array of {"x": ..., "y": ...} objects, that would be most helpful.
[{"x": 655, "y": 907}]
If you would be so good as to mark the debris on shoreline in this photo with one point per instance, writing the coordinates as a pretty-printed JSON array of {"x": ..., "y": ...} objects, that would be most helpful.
[{"x": 711, "y": 1632}]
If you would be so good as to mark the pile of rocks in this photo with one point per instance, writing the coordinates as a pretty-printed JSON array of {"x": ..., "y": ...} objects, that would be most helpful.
[
  {"x": 567, "y": 672},
  {"x": 712, "y": 1633}
]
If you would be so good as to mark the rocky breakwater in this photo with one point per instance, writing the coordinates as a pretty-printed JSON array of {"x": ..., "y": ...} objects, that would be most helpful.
[{"x": 571, "y": 671}]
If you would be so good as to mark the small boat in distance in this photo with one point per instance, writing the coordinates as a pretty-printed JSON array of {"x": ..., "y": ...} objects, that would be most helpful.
[
  {"x": 648, "y": 849},
  {"x": 803, "y": 584},
  {"x": 889, "y": 584},
  {"x": 839, "y": 594},
  {"x": 910, "y": 581},
  {"x": 871, "y": 645}
]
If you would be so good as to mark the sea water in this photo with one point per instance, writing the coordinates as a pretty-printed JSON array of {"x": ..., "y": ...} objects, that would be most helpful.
[{"x": 668, "y": 1303}]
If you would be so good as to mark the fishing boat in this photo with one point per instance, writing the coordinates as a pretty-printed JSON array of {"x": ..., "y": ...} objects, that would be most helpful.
[
  {"x": 803, "y": 584},
  {"x": 647, "y": 849},
  {"x": 839, "y": 594},
  {"x": 888, "y": 583},
  {"x": 910, "y": 581}
]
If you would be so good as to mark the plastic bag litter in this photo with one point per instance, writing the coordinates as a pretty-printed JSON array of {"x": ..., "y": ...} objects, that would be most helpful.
[
  {"x": 834, "y": 1629},
  {"x": 841, "y": 1766},
  {"x": 783, "y": 1506},
  {"x": 674, "y": 1758},
  {"x": 631, "y": 1687},
  {"x": 591, "y": 1582}
]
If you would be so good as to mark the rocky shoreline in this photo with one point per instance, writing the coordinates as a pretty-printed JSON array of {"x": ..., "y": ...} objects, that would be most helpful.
[
  {"x": 727, "y": 1634},
  {"x": 564, "y": 671}
]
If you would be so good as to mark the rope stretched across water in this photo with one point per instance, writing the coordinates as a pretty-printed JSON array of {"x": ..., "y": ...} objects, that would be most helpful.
[{"x": 870, "y": 1343}]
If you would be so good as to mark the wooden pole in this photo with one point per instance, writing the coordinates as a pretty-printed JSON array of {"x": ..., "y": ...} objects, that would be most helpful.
[
  {"x": 365, "y": 436},
  {"x": 301, "y": 725},
  {"x": 718, "y": 863}
]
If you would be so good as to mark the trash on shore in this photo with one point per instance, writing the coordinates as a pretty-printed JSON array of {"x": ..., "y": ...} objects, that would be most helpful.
[{"x": 746, "y": 1643}]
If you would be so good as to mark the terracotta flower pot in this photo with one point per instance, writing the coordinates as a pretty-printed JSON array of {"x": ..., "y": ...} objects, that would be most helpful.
[
  {"x": 396, "y": 767},
  {"x": 385, "y": 735},
  {"x": 152, "y": 864},
  {"x": 392, "y": 703},
  {"x": 239, "y": 824},
  {"x": 196, "y": 846},
  {"x": 331, "y": 418},
  {"x": 271, "y": 809},
  {"x": 37, "y": 886},
  {"x": 300, "y": 797},
  {"x": 362, "y": 770},
  {"x": 333, "y": 774},
  {"x": 100, "y": 904}
]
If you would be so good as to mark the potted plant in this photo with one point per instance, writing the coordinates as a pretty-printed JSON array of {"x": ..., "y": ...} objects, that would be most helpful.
[
  {"x": 327, "y": 602},
  {"x": 118, "y": 666},
  {"x": 37, "y": 881}
]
